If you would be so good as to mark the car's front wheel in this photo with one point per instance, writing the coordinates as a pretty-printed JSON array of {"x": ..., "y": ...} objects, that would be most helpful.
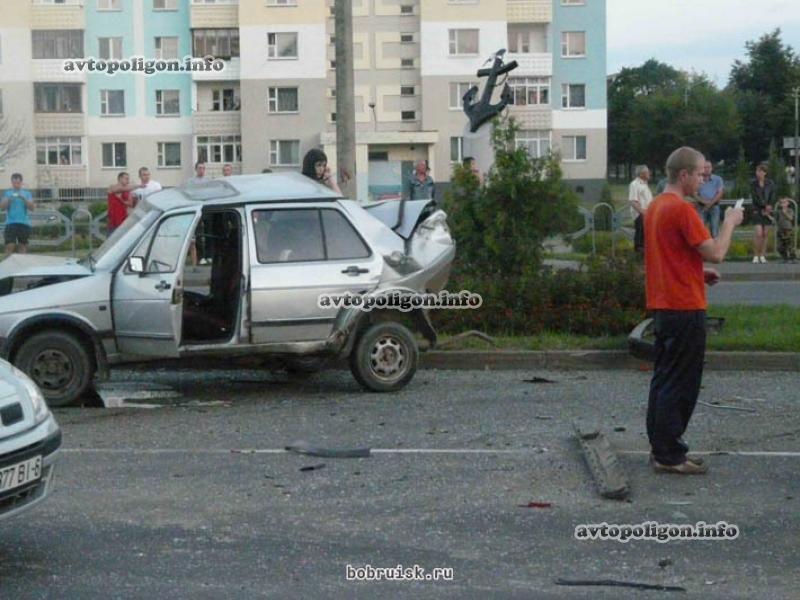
[
  {"x": 385, "y": 357},
  {"x": 59, "y": 364}
]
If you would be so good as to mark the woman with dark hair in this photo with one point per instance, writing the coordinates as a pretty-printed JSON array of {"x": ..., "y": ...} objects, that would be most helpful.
[
  {"x": 315, "y": 166},
  {"x": 763, "y": 195}
]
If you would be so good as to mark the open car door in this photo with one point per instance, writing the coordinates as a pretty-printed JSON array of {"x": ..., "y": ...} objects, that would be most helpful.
[{"x": 147, "y": 292}]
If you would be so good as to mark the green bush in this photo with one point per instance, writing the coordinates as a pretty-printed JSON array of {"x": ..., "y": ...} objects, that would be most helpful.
[
  {"x": 97, "y": 208},
  {"x": 740, "y": 249},
  {"x": 605, "y": 298},
  {"x": 67, "y": 210},
  {"x": 583, "y": 244}
]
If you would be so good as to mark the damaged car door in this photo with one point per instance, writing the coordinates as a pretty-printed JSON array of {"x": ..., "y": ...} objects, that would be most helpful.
[{"x": 147, "y": 296}]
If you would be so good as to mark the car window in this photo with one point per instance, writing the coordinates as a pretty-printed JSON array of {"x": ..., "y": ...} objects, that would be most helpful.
[
  {"x": 341, "y": 240},
  {"x": 288, "y": 235},
  {"x": 165, "y": 251}
]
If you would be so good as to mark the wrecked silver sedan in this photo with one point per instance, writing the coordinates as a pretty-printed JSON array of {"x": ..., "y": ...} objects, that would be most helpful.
[{"x": 267, "y": 248}]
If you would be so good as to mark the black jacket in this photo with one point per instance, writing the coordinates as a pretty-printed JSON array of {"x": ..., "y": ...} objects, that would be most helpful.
[{"x": 763, "y": 197}]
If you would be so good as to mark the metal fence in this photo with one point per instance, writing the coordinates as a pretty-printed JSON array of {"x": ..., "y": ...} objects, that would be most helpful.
[{"x": 621, "y": 223}]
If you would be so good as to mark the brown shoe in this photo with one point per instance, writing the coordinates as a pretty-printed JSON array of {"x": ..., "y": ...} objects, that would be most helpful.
[
  {"x": 685, "y": 468},
  {"x": 695, "y": 459}
]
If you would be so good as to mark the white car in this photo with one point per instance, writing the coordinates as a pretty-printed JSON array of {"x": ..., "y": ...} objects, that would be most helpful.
[{"x": 29, "y": 442}]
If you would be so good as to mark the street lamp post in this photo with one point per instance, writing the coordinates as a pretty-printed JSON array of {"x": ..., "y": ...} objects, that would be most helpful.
[{"x": 796, "y": 94}]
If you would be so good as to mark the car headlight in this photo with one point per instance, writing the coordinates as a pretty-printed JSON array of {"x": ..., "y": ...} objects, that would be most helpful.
[{"x": 40, "y": 410}]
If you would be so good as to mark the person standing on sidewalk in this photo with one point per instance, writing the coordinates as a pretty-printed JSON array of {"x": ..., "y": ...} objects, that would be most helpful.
[
  {"x": 709, "y": 195},
  {"x": 763, "y": 195},
  {"x": 640, "y": 197},
  {"x": 120, "y": 201},
  {"x": 17, "y": 202},
  {"x": 677, "y": 245},
  {"x": 785, "y": 234}
]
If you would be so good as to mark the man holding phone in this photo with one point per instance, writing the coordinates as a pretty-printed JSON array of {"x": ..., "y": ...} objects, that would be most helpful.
[{"x": 677, "y": 245}]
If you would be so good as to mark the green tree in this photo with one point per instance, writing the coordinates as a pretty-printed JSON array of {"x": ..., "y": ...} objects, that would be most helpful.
[
  {"x": 777, "y": 172},
  {"x": 761, "y": 85},
  {"x": 501, "y": 227},
  {"x": 744, "y": 174}
]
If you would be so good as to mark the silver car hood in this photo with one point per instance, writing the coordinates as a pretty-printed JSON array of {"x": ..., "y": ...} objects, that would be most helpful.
[{"x": 36, "y": 265}]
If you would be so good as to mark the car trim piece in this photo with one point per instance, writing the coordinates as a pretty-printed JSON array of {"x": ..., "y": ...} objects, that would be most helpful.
[{"x": 289, "y": 322}]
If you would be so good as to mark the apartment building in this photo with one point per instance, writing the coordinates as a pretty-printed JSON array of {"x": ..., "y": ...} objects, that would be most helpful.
[{"x": 275, "y": 97}]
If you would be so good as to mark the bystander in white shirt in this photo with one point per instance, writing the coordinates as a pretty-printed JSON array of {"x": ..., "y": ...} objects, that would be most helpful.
[
  {"x": 150, "y": 188},
  {"x": 639, "y": 190}
]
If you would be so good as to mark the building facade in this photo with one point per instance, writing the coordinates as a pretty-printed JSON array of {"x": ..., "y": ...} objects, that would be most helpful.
[{"x": 275, "y": 97}]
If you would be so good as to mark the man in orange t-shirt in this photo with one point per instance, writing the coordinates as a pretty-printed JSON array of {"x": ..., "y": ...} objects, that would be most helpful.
[{"x": 676, "y": 244}]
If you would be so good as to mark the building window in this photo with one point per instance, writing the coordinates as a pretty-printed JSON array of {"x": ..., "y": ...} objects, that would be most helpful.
[
  {"x": 408, "y": 115},
  {"x": 406, "y": 9},
  {"x": 109, "y": 4},
  {"x": 574, "y": 147},
  {"x": 407, "y": 63},
  {"x": 215, "y": 1},
  {"x": 456, "y": 149},
  {"x": 65, "y": 151},
  {"x": 283, "y": 100},
  {"x": 168, "y": 102},
  {"x": 225, "y": 100},
  {"x": 464, "y": 41},
  {"x": 112, "y": 103},
  {"x": 281, "y": 46},
  {"x": 573, "y": 44},
  {"x": 166, "y": 48},
  {"x": 573, "y": 2},
  {"x": 57, "y": 97},
  {"x": 406, "y": 38},
  {"x": 407, "y": 90},
  {"x": 281, "y": 2},
  {"x": 573, "y": 95},
  {"x": 219, "y": 149},
  {"x": 165, "y": 4},
  {"x": 219, "y": 43},
  {"x": 457, "y": 91},
  {"x": 110, "y": 48},
  {"x": 169, "y": 154},
  {"x": 536, "y": 142},
  {"x": 530, "y": 91},
  {"x": 57, "y": 43},
  {"x": 115, "y": 155},
  {"x": 284, "y": 153}
]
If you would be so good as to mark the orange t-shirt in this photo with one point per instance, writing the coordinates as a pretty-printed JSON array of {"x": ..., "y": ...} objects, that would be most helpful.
[{"x": 673, "y": 266}]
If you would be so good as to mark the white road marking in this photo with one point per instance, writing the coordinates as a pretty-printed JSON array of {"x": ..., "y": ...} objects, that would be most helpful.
[{"x": 445, "y": 451}]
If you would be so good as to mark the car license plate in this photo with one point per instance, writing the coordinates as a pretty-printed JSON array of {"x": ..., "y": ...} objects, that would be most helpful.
[{"x": 21, "y": 473}]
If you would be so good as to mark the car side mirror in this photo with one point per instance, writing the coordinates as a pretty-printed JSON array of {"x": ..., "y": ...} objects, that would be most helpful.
[{"x": 136, "y": 264}]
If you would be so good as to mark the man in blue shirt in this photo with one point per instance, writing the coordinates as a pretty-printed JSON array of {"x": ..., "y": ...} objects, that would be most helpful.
[
  {"x": 709, "y": 196},
  {"x": 17, "y": 202}
]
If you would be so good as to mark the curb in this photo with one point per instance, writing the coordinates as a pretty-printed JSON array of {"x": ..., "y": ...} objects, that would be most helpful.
[
  {"x": 594, "y": 360},
  {"x": 744, "y": 277}
]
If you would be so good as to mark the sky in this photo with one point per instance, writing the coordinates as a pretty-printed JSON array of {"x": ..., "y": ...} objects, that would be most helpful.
[{"x": 701, "y": 35}]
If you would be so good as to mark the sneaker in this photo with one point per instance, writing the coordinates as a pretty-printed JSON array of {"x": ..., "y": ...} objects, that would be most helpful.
[
  {"x": 695, "y": 459},
  {"x": 755, "y": 260},
  {"x": 763, "y": 260},
  {"x": 687, "y": 467}
]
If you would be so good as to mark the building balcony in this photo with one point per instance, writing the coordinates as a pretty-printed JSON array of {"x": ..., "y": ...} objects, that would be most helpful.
[
  {"x": 68, "y": 15},
  {"x": 529, "y": 11},
  {"x": 217, "y": 123},
  {"x": 67, "y": 176},
  {"x": 231, "y": 72},
  {"x": 59, "y": 124},
  {"x": 532, "y": 65},
  {"x": 533, "y": 117},
  {"x": 222, "y": 15},
  {"x": 52, "y": 70}
]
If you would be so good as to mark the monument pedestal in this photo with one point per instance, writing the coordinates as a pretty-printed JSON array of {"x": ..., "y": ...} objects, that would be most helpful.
[{"x": 478, "y": 145}]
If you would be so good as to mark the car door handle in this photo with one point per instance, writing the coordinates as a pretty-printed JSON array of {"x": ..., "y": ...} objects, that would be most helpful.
[
  {"x": 354, "y": 270},
  {"x": 162, "y": 286}
]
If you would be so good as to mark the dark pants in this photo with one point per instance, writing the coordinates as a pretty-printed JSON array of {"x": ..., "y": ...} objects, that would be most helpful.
[
  {"x": 638, "y": 234},
  {"x": 680, "y": 351}
]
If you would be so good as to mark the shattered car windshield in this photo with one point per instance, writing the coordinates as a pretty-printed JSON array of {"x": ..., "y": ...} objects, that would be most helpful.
[{"x": 131, "y": 230}]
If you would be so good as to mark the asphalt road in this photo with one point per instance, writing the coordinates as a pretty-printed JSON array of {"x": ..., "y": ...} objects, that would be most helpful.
[
  {"x": 195, "y": 498},
  {"x": 755, "y": 293}
]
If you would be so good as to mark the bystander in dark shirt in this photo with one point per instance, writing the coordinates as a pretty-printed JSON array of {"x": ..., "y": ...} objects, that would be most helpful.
[{"x": 421, "y": 190}]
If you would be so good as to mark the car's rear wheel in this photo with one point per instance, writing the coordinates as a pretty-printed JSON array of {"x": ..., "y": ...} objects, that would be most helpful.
[
  {"x": 385, "y": 357},
  {"x": 59, "y": 364}
]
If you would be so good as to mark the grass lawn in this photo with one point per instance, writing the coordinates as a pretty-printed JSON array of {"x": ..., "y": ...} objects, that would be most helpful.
[{"x": 747, "y": 328}]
